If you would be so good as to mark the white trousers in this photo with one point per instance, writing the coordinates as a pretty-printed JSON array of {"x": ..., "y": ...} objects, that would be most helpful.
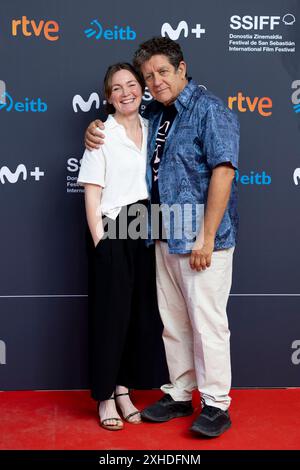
[{"x": 192, "y": 306}]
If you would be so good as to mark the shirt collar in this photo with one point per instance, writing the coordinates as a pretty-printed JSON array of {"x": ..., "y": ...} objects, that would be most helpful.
[
  {"x": 111, "y": 122},
  {"x": 184, "y": 98}
]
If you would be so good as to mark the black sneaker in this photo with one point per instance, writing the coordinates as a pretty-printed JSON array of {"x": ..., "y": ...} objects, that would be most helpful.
[
  {"x": 166, "y": 408},
  {"x": 211, "y": 422}
]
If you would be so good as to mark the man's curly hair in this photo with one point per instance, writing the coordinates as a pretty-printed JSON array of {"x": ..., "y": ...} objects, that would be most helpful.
[{"x": 155, "y": 46}]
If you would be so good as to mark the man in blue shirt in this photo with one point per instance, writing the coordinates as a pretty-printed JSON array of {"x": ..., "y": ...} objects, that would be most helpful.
[{"x": 192, "y": 157}]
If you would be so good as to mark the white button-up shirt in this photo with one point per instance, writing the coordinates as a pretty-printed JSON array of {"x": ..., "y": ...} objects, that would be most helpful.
[{"x": 118, "y": 166}]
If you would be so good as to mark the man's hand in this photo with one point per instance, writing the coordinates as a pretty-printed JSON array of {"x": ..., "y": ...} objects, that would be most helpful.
[
  {"x": 93, "y": 136},
  {"x": 200, "y": 258},
  {"x": 218, "y": 197}
]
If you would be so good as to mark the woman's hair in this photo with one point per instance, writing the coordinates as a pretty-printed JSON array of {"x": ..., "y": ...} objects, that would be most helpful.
[{"x": 112, "y": 69}]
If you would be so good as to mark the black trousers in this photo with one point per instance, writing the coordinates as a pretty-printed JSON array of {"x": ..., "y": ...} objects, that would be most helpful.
[{"x": 126, "y": 346}]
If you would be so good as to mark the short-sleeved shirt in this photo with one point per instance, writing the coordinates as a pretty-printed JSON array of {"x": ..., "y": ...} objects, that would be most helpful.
[
  {"x": 204, "y": 134},
  {"x": 118, "y": 166}
]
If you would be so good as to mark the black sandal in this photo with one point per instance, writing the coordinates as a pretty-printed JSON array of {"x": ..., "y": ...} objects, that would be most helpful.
[
  {"x": 110, "y": 427},
  {"x": 127, "y": 418}
]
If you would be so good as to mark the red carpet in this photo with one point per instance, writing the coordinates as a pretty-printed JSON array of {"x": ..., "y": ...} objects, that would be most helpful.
[{"x": 262, "y": 419}]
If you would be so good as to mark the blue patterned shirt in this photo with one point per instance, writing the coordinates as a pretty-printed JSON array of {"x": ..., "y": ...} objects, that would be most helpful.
[{"x": 204, "y": 134}]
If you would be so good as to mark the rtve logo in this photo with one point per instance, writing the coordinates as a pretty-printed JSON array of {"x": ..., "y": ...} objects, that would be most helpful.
[
  {"x": 249, "y": 22},
  {"x": 117, "y": 33},
  {"x": 244, "y": 103},
  {"x": 167, "y": 30},
  {"x": 6, "y": 175},
  {"x": 30, "y": 27},
  {"x": 296, "y": 96}
]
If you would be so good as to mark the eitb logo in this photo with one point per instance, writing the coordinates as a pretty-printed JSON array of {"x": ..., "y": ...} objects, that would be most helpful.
[{"x": 8, "y": 103}]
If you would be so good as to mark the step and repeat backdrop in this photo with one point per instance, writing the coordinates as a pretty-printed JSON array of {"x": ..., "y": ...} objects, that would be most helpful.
[{"x": 53, "y": 55}]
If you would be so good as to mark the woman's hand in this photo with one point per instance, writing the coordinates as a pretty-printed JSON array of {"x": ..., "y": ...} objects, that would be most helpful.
[
  {"x": 96, "y": 241},
  {"x": 93, "y": 211}
]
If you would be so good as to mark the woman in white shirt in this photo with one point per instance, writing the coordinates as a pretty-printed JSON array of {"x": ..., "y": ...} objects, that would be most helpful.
[{"x": 125, "y": 324}]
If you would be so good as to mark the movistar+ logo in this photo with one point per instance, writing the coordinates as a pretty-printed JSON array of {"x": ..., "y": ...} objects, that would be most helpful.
[
  {"x": 6, "y": 175},
  {"x": 182, "y": 27}
]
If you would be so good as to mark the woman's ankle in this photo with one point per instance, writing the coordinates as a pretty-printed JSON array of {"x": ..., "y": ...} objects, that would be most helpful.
[{"x": 121, "y": 389}]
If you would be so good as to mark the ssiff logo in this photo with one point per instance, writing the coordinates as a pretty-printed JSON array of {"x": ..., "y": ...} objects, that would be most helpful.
[
  {"x": 244, "y": 103},
  {"x": 249, "y": 22},
  {"x": 182, "y": 27},
  {"x": 116, "y": 33},
  {"x": 27, "y": 105},
  {"x": 296, "y": 96},
  {"x": 27, "y": 28},
  {"x": 6, "y": 175}
]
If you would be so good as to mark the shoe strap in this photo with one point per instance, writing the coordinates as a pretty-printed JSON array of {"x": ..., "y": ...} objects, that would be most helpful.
[
  {"x": 121, "y": 394},
  {"x": 131, "y": 415},
  {"x": 110, "y": 419}
]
